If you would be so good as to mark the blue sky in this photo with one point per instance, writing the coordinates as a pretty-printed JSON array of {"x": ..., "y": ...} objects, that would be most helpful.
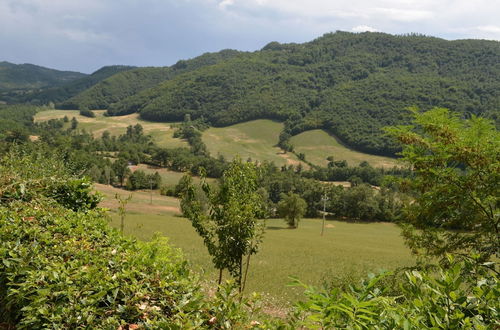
[{"x": 84, "y": 35}]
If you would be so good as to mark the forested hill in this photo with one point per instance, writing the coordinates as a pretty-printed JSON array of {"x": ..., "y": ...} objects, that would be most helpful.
[
  {"x": 64, "y": 92},
  {"x": 125, "y": 84},
  {"x": 350, "y": 84},
  {"x": 28, "y": 76}
]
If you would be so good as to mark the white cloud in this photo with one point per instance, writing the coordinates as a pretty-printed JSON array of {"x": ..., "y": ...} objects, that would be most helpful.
[
  {"x": 489, "y": 28},
  {"x": 224, "y": 3},
  {"x": 364, "y": 28},
  {"x": 67, "y": 33},
  {"x": 404, "y": 15}
]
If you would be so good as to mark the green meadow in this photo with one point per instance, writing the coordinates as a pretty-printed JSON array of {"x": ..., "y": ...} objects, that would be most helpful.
[
  {"x": 256, "y": 139},
  {"x": 346, "y": 252},
  {"x": 317, "y": 145}
]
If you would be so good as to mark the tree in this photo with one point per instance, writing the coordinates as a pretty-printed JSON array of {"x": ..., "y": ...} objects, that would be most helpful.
[
  {"x": 456, "y": 183},
  {"x": 74, "y": 123},
  {"x": 120, "y": 167},
  {"x": 292, "y": 207},
  {"x": 230, "y": 229}
]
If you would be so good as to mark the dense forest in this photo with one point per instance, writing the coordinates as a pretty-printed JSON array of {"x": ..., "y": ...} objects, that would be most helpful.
[
  {"x": 350, "y": 84},
  {"x": 125, "y": 84},
  {"x": 29, "y": 76},
  {"x": 58, "y": 94}
]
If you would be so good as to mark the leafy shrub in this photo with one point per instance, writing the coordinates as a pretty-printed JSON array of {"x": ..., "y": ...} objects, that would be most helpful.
[
  {"x": 87, "y": 113},
  {"x": 65, "y": 269},
  {"x": 464, "y": 296},
  {"x": 26, "y": 176}
]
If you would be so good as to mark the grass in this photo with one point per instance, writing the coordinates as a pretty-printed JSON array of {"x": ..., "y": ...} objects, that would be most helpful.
[
  {"x": 161, "y": 132},
  {"x": 255, "y": 139},
  {"x": 168, "y": 177},
  {"x": 317, "y": 145},
  {"x": 347, "y": 251}
]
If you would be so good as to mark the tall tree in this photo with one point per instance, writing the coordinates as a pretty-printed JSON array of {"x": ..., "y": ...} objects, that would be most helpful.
[
  {"x": 456, "y": 183},
  {"x": 292, "y": 207},
  {"x": 230, "y": 228}
]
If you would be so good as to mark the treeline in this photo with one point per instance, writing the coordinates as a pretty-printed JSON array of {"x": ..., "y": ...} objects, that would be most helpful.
[{"x": 16, "y": 122}]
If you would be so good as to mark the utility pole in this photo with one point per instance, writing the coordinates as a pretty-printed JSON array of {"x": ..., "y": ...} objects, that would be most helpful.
[
  {"x": 151, "y": 190},
  {"x": 324, "y": 199}
]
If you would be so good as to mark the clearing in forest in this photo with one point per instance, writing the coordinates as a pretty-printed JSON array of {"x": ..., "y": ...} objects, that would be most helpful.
[{"x": 161, "y": 132}]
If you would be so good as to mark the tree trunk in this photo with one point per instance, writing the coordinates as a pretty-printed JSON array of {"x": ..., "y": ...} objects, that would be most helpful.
[
  {"x": 246, "y": 273},
  {"x": 220, "y": 279},
  {"x": 240, "y": 274}
]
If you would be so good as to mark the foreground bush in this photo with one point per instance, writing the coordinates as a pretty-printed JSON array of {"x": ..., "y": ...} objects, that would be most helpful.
[
  {"x": 463, "y": 296},
  {"x": 63, "y": 269}
]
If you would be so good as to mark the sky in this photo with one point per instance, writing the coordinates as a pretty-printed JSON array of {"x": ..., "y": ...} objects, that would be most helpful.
[{"x": 84, "y": 35}]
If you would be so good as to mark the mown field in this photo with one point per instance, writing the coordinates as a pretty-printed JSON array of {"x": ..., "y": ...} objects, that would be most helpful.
[
  {"x": 317, "y": 145},
  {"x": 168, "y": 177},
  {"x": 347, "y": 251},
  {"x": 161, "y": 132},
  {"x": 255, "y": 139}
]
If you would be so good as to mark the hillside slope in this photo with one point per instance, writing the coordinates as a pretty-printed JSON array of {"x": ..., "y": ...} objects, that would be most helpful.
[
  {"x": 349, "y": 84},
  {"x": 64, "y": 92},
  {"x": 128, "y": 83},
  {"x": 28, "y": 76}
]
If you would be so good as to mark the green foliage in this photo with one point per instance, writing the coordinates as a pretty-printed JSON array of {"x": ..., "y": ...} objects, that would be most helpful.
[
  {"x": 87, "y": 113},
  {"x": 16, "y": 122},
  {"x": 292, "y": 208},
  {"x": 27, "y": 176},
  {"x": 464, "y": 296},
  {"x": 350, "y": 84},
  {"x": 28, "y": 76},
  {"x": 229, "y": 229},
  {"x": 140, "y": 180},
  {"x": 456, "y": 183},
  {"x": 63, "y": 269},
  {"x": 121, "y": 85}
]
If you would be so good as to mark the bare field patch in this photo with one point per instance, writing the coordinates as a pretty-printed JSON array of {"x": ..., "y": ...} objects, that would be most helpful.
[{"x": 162, "y": 133}]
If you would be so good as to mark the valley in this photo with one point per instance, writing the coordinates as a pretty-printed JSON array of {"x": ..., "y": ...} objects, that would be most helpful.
[{"x": 347, "y": 252}]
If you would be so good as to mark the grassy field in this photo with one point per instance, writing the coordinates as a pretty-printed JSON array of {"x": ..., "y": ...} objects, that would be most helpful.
[
  {"x": 346, "y": 252},
  {"x": 317, "y": 145},
  {"x": 256, "y": 139},
  {"x": 168, "y": 177},
  {"x": 161, "y": 132}
]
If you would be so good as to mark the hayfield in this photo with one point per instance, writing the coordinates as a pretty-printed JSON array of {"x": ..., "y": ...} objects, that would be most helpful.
[
  {"x": 161, "y": 132},
  {"x": 317, "y": 145},
  {"x": 255, "y": 139},
  {"x": 346, "y": 252}
]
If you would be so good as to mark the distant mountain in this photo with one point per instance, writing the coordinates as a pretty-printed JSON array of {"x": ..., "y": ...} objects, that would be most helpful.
[
  {"x": 68, "y": 90},
  {"x": 349, "y": 84},
  {"x": 128, "y": 83},
  {"x": 29, "y": 76}
]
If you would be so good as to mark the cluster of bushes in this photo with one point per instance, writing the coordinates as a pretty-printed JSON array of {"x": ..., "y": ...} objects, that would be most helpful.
[
  {"x": 63, "y": 266},
  {"x": 87, "y": 113}
]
